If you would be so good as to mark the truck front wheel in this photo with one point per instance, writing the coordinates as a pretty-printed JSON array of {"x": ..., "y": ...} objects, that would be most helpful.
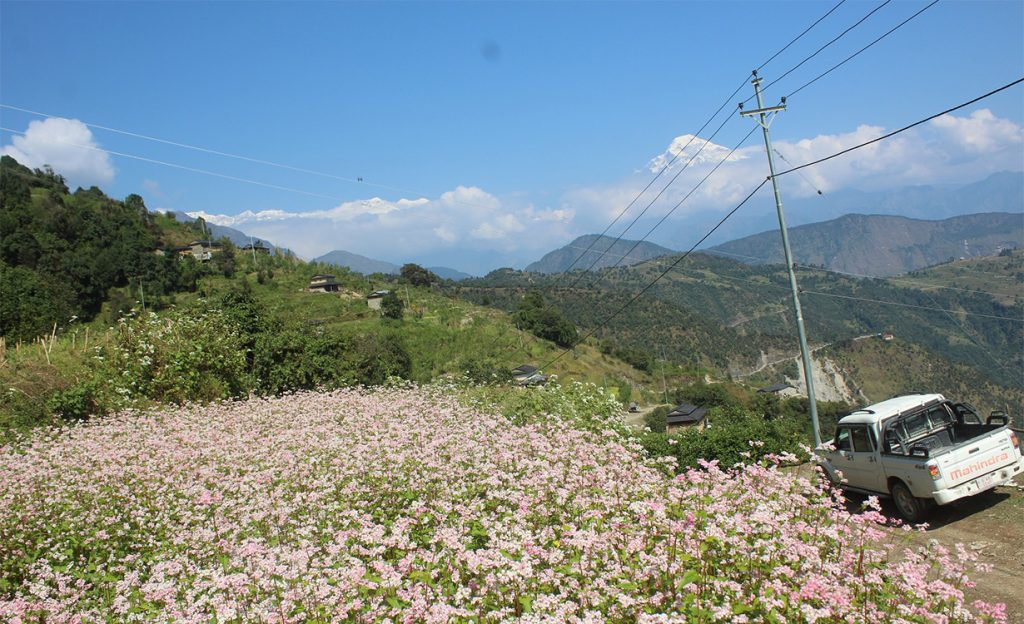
[{"x": 909, "y": 506}]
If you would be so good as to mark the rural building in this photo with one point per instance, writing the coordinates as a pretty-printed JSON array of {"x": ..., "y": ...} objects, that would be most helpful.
[
  {"x": 258, "y": 247},
  {"x": 374, "y": 299},
  {"x": 528, "y": 375},
  {"x": 685, "y": 416},
  {"x": 201, "y": 250},
  {"x": 323, "y": 283},
  {"x": 776, "y": 388},
  {"x": 887, "y": 336}
]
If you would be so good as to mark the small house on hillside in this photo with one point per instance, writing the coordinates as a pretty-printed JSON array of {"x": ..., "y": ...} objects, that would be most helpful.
[
  {"x": 887, "y": 336},
  {"x": 779, "y": 388},
  {"x": 323, "y": 283},
  {"x": 374, "y": 299},
  {"x": 528, "y": 375},
  {"x": 201, "y": 250},
  {"x": 685, "y": 416},
  {"x": 257, "y": 247}
]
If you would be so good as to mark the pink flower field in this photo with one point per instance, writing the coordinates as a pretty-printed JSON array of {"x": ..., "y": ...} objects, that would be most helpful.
[{"x": 402, "y": 505}]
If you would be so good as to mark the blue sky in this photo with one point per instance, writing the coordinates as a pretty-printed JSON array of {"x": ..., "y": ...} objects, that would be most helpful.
[{"x": 489, "y": 133}]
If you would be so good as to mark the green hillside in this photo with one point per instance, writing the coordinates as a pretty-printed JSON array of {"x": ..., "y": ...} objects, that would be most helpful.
[
  {"x": 728, "y": 313},
  {"x": 102, "y": 310}
]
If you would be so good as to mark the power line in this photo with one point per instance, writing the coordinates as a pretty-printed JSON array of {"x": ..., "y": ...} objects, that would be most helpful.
[
  {"x": 660, "y": 193},
  {"x": 214, "y": 152},
  {"x": 651, "y": 183},
  {"x": 858, "y": 52},
  {"x": 680, "y": 202},
  {"x": 911, "y": 305},
  {"x": 693, "y": 136},
  {"x": 822, "y": 48},
  {"x": 663, "y": 273},
  {"x": 185, "y": 167},
  {"x": 904, "y": 128},
  {"x": 798, "y": 37},
  {"x": 896, "y": 280}
]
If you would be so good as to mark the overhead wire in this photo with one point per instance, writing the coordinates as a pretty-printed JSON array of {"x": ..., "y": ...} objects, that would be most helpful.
[
  {"x": 766, "y": 180},
  {"x": 685, "y": 197},
  {"x": 660, "y": 193},
  {"x": 822, "y": 48},
  {"x": 183, "y": 167},
  {"x": 903, "y": 129},
  {"x": 692, "y": 137},
  {"x": 858, "y": 52},
  {"x": 215, "y": 152},
  {"x": 663, "y": 273},
  {"x": 665, "y": 168},
  {"x": 798, "y": 37}
]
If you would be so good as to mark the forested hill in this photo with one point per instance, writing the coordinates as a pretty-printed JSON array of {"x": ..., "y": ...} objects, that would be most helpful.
[
  {"x": 62, "y": 252},
  {"x": 882, "y": 245}
]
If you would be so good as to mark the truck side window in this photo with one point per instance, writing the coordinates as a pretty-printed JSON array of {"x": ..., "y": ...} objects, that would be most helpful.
[
  {"x": 861, "y": 440},
  {"x": 843, "y": 439}
]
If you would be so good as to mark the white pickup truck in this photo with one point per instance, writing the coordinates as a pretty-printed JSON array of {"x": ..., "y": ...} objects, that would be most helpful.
[{"x": 921, "y": 449}]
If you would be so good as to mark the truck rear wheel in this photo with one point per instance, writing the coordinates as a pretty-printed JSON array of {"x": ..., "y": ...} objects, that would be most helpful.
[{"x": 909, "y": 506}]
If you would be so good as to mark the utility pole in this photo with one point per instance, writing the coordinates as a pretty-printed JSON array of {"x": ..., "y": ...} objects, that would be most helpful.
[
  {"x": 142, "y": 294},
  {"x": 252, "y": 246},
  {"x": 765, "y": 121}
]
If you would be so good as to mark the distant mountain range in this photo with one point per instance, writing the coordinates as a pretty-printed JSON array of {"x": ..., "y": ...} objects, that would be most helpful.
[
  {"x": 361, "y": 264},
  {"x": 882, "y": 245},
  {"x": 596, "y": 251}
]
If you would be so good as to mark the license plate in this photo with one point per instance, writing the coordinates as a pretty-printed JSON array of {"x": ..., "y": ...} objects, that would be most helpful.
[{"x": 986, "y": 482}]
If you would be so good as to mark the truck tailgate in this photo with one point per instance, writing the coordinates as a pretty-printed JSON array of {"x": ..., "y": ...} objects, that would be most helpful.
[{"x": 976, "y": 457}]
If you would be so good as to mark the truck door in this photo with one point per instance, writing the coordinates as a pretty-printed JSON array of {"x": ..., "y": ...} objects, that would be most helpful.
[{"x": 858, "y": 461}]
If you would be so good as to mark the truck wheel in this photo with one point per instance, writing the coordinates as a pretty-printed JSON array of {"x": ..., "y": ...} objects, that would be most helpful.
[{"x": 909, "y": 506}]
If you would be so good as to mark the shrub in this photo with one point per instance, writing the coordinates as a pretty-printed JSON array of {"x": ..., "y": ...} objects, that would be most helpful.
[
  {"x": 75, "y": 403},
  {"x": 189, "y": 356},
  {"x": 391, "y": 307}
]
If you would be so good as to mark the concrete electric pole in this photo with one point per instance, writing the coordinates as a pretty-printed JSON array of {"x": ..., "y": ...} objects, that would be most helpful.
[{"x": 761, "y": 115}]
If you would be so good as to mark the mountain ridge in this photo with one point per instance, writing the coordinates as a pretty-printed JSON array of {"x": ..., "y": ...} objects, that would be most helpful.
[
  {"x": 597, "y": 251},
  {"x": 883, "y": 245}
]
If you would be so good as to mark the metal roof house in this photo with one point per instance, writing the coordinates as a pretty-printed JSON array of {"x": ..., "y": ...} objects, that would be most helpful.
[
  {"x": 374, "y": 299},
  {"x": 685, "y": 415},
  {"x": 774, "y": 388},
  {"x": 323, "y": 283}
]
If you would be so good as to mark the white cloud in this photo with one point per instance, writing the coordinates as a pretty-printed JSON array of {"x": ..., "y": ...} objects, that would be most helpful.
[
  {"x": 981, "y": 132},
  {"x": 488, "y": 231},
  {"x": 950, "y": 149},
  {"x": 467, "y": 220},
  {"x": 63, "y": 144}
]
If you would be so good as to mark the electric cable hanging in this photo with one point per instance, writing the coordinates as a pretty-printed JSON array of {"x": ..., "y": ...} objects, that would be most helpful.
[
  {"x": 765, "y": 181},
  {"x": 858, "y": 52},
  {"x": 822, "y": 48},
  {"x": 185, "y": 167},
  {"x": 679, "y": 203},
  {"x": 694, "y": 136},
  {"x": 663, "y": 273},
  {"x": 903, "y": 129},
  {"x": 657, "y": 197}
]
